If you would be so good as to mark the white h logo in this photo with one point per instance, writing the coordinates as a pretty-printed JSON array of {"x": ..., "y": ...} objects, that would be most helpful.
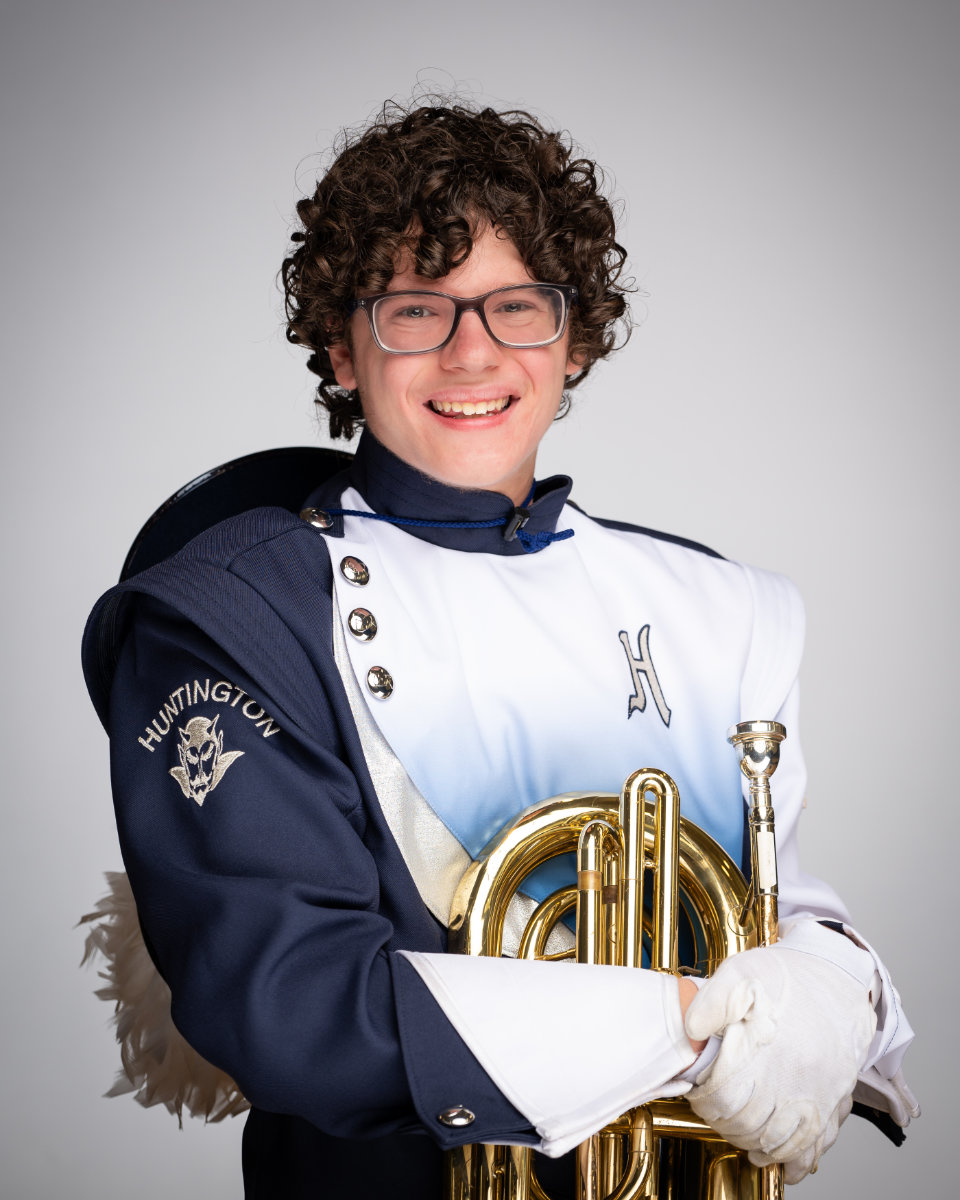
[{"x": 643, "y": 666}]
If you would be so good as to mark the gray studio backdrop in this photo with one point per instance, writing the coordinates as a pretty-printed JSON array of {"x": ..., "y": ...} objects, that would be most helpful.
[{"x": 788, "y": 175}]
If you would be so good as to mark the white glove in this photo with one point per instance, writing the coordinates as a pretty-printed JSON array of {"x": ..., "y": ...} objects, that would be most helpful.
[
  {"x": 892, "y": 1095},
  {"x": 797, "y": 1019}
]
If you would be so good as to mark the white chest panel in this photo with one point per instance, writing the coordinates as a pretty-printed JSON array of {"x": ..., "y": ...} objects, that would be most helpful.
[{"x": 512, "y": 682}]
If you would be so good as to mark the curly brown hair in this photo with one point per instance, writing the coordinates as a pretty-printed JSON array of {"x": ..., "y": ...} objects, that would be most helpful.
[{"x": 420, "y": 181}]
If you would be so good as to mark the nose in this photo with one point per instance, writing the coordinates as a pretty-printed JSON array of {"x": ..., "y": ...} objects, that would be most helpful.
[{"x": 471, "y": 347}]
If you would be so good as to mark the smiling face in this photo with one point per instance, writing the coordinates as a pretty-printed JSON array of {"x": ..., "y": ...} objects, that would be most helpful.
[{"x": 471, "y": 414}]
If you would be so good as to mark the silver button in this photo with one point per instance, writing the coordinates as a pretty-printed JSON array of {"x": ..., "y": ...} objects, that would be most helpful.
[
  {"x": 317, "y": 518},
  {"x": 355, "y": 571},
  {"x": 362, "y": 624},
  {"x": 456, "y": 1117},
  {"x": 380, "y": 682}
]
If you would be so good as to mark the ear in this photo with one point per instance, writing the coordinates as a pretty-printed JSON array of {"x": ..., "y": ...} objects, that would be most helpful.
[
  {"x": 573, "y": 366},
  {"x": 342, "y": 362}
]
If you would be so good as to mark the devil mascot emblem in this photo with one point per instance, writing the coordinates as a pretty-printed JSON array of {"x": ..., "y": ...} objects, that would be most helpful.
[{"x": 202, "y": 760}]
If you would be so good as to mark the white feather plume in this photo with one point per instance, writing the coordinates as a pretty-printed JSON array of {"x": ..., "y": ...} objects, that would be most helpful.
[{"x": 158, "y": 1065}]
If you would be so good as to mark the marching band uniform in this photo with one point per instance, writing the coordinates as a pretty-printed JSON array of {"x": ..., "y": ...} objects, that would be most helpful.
[{"x": 316, "y": 726}]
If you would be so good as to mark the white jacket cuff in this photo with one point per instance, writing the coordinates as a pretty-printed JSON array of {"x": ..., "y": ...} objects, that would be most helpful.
[
  {"x": 516, "y": 1017},
  {"x": 881, "y": 1081}
]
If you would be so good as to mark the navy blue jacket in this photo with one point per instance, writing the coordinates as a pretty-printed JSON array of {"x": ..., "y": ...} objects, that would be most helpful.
[{"x": 275, "y": 908}]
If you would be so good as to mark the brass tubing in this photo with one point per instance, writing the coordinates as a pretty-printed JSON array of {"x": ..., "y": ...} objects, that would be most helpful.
[
  {"x": 771, "y": 1182},
  {"x": 458, "y": 1172},
  {"x": 640, "y": 1177},
  {"x": 536, "y": 1191},
  {"x": 483, "y": 895},
  {"x": 612, "y": 908},
  {"x": 632, "y": 815},
  {"x": 588, "y": 1170},
  {"x": 590, "y": 924},
  {"x": 611, "y": 1159},
  {"x": 712, "y": 883},
  {"x": 771, "y": 1187},
  {"x": 664, "y": 951},
  {"x": 533, "y": 943},
  {"x": 715, "y": 895},
  {"x": 674, "y": 1118},
  {"x": 488, "y": 1171},
  {"x": 724, "y": 1179},
  {"x": 517, "y": 1179}
]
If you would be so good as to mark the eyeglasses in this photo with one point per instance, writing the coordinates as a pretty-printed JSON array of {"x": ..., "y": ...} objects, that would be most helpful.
[{"x": 520, "y": 317}]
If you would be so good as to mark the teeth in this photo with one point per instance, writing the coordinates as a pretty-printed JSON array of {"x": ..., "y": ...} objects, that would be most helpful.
[{"x": 471, "y": 408}]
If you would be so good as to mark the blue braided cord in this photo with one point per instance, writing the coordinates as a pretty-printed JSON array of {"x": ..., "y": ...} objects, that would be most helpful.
[
  {"x": 532, "y": 542},
  {"x": 372, "y": 516}
]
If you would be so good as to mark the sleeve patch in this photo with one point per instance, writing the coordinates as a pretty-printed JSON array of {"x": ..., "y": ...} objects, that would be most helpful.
[{"x": 202, "y": 758}]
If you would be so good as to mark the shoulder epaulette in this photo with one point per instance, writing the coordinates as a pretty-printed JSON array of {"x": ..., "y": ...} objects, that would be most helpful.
[{"x": 220, "y": 581}]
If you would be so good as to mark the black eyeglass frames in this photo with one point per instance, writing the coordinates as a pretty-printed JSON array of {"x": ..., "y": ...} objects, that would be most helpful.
[{"x": 520, "y": 317}]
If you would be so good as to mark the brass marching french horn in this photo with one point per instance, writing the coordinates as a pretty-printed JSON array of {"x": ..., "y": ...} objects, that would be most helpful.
[{"x": 661, "y": 1150}]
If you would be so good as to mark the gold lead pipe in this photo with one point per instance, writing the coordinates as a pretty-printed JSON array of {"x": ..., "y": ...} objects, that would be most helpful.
[
  {"x": 757, "y": 744},
  {"x": 758, "y": 747}
]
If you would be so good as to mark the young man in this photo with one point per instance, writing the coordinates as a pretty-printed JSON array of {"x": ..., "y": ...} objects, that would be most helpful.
[{"x": 317, "y": 722}]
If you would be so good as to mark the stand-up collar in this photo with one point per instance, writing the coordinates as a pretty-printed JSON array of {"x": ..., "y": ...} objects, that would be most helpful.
[{"x": 395, "y": 489}]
